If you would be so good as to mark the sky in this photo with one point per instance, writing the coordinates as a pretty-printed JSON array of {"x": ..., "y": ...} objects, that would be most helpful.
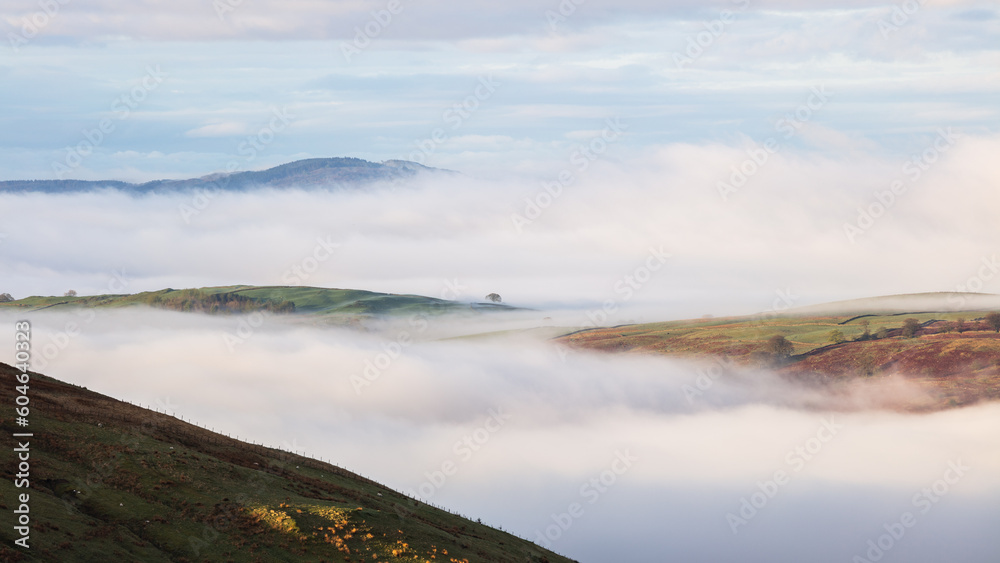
[
  {"x": 183, "y": 84},
  {"x": 630, "y": 161},
  {"x": 781, "y": 153}
]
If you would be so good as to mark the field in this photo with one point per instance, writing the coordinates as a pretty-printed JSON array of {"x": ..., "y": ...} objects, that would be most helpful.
[
  {"x": 957, "y": 368},
  {"x": 332, "y": 306}
]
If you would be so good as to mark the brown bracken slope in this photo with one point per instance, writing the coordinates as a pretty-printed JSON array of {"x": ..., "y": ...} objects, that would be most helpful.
[{"x": 952, "y": 368}]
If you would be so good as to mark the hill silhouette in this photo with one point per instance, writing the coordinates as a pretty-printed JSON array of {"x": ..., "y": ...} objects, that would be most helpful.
[{"x": 330, "y": 173}]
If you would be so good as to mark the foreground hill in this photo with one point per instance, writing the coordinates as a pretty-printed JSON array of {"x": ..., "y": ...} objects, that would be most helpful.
[
  {"x": 114, "y": 482},
  {"x": 335, "y": 306},
  {"x": 954, "y": 355},
  {"x": 310, "y": 173}
]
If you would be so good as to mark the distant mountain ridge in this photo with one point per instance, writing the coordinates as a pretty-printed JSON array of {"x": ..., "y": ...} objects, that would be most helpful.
[{"x": 340, "y": 172}]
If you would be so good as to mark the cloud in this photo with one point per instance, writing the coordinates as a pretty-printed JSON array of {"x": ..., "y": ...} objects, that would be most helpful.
[
  {"x": 801, "y": 220},
  {"x": 396, "y": 92},
  {"x": 224, "y": 129},
  {"x": 193, "y": 20},
  {"x": 531, "y": 433}
]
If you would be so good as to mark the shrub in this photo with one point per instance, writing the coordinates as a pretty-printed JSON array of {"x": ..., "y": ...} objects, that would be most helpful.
[
  {"x": 993, "y": 321},
  {"x": 837, "y": 337},
  {"x": 779, "y": 347}
]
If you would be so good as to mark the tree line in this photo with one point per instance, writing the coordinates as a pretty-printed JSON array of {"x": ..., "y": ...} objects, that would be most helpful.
[{"x": 196, "y": 300}]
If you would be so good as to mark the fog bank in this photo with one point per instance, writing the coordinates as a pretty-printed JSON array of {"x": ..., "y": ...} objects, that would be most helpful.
[{"x": 608, "y": 449}]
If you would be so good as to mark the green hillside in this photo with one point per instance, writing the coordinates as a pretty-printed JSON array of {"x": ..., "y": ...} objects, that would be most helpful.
[
  {"x": 330, "y": 305},
  {"x": 114, "y": 482}
]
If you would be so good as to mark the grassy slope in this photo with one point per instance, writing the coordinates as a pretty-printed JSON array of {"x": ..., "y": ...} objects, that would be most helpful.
[
  {"x": 330, "y": 304},
  {"x": 326, "y": 301},
  {"x": 958, "y": 369},
  {"x": 115, "y": 482}
]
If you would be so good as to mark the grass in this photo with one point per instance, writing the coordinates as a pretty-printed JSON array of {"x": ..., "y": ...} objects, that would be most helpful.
[
  {"x": 336, "y": 306},
  {"x": 957, "y": 369},
  {"x": 112, "y": 481}
]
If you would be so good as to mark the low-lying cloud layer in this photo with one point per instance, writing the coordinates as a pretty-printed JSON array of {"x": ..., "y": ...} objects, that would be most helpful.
[
  {"x": 670, "y": 233},
  {"x": 597, "y": 456}
]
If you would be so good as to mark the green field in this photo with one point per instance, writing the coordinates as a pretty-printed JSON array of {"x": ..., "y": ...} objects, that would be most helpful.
[
  {"x": 807, "y": 328},
  {"x": 334, "y": 306}
]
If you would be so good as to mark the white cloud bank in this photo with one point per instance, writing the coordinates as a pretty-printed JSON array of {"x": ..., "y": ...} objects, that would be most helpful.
[
  {"x": 528, "y": 432},
  {"x": 783, "y": 230}
]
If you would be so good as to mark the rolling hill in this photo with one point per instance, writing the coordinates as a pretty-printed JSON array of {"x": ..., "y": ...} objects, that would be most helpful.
[
  {"x": 954, "y": 355},
  {"x": 329, "y": 173},
  {"x": 333, "y": 306},
  {"x": 111, "y": 481}
]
